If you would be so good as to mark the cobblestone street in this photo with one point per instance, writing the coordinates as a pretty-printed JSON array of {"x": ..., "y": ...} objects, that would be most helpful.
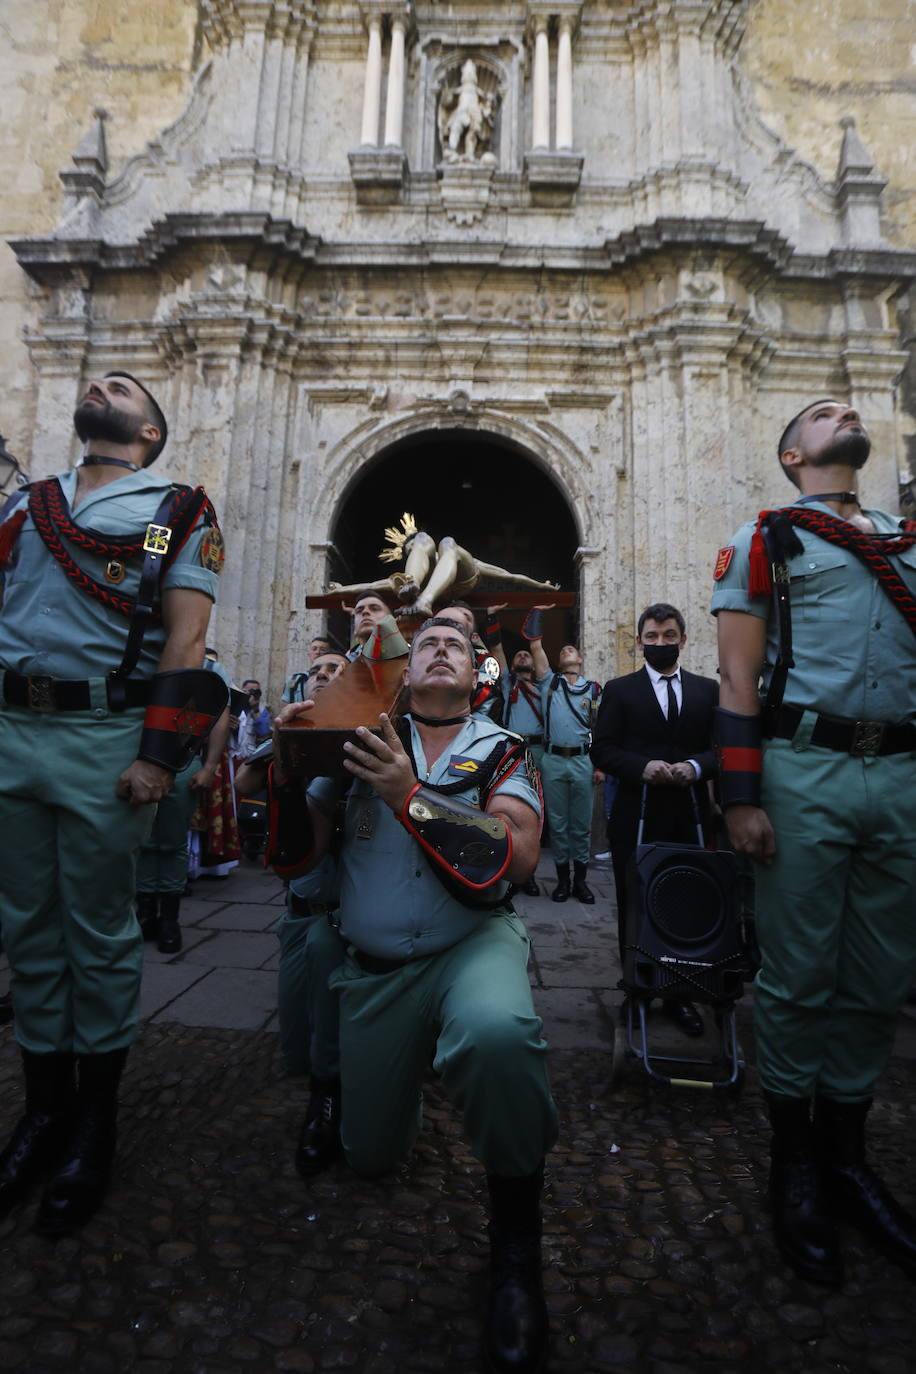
[{"x": 211, "y": 1255}]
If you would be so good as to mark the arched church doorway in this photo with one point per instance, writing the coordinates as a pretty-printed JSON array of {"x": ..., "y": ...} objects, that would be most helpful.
[{"x": 490, "y": 495}]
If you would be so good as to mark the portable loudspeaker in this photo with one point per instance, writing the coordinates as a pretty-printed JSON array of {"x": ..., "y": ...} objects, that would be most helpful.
[{"x": 682, "y": 934}]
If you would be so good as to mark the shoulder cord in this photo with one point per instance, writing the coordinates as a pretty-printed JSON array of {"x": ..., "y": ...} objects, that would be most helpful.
[
  {"x": 531, "y": 695},
  {"x": 782, "y": 543},
  {"x": 181, "y": 507},
  {"x": 482, "y": 779},
  {"x": 874, "y": 550}
]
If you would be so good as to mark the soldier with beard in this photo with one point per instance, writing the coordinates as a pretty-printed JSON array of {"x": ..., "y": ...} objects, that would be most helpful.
[
  {"x": 819, "y": 788},
  {"x": 107, "y": 576}
]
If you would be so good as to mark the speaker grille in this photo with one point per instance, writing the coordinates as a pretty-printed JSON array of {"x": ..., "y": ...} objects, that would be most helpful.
[{"x": 685, "y": 905}]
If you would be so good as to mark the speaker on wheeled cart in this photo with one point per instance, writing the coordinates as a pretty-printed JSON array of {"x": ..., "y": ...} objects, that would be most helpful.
[{"x": 682, "y": 935}]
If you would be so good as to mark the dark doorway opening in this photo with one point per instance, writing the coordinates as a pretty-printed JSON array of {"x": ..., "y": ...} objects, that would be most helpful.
[{"x": 489, "y": 495}]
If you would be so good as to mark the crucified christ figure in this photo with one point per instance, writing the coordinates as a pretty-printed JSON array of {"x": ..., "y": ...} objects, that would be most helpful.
[{"x": 433, "y": 573}]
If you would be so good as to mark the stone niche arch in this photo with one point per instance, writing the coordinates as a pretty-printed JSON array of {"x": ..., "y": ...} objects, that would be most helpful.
[
  {"x": 487, "y": 493},
  {"x": 515, "y": 492}
]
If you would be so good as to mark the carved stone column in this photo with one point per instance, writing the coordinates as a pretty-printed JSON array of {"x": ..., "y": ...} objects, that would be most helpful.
[
  {"x": 373, "y": 87},
  {"x": 564, "y": 140},
  {"x": 540, "y": 90},
  {"x": 394, "y": 109}
]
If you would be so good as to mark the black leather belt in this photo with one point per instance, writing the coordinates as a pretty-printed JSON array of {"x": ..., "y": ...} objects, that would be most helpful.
[
  {"x": 860, "y": 738},
  {"x": 370, "y": 964},
  {"x": 566, "y": 752},
  {"x": 533, "y": 739},
  {"x": 65, "y": 694}
]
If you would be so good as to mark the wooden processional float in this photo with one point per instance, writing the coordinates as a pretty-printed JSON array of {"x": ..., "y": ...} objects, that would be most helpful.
[{"x": 433, "y": 576}]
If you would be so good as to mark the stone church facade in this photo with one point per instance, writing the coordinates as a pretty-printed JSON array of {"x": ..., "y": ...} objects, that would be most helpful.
[{"x": 559, "y": 232}]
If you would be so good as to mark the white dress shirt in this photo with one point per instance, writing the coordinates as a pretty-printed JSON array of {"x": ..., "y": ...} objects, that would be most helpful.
[{"x": 659, "y": 685}]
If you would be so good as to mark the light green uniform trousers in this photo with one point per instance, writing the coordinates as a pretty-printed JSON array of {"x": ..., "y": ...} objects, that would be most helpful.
[
  {"x": 310, "y": 951},
  {"x": 836, "y": 917},
  {"x": 67, "y": 879},
  {"x": 163, "y": 862},
  {"x": 471, "y": 1005},
  {"x": 568, "y": 792}
]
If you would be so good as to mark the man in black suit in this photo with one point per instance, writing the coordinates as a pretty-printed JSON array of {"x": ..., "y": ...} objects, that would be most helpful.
[{"x": 655, "y": 726}]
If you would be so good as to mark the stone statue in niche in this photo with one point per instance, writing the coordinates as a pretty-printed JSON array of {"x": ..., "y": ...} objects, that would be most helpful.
[{"x": 465, "y": 119}]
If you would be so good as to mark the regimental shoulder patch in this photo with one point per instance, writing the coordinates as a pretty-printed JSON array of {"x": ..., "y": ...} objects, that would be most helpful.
[
  {"x": 531, "y": 770},
  {"x": 723, "y": 562},
  {"x": 212, "y": 550}
]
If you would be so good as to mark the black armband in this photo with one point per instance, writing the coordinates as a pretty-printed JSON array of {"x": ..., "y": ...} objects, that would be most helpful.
[
  {"x": 291, "y": 834},
  {"x": 470, "y": 845},
  {"x": 739, "y": 741},
  {"x": 184, "y": 705},
  {"x": 492, "y": 634}
]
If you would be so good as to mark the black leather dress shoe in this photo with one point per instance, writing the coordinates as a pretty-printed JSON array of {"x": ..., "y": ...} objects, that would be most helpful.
[
  {"x": 684, "y": 1015},
  {"x": 319, "y": 1138}
]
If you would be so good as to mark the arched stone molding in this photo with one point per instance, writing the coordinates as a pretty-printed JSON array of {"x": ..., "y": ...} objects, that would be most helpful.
[{"x": 323, "y": 478}]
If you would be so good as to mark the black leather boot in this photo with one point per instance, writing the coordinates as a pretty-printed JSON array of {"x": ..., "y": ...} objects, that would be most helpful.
[
  {"x": 531, "y": 888},
  {"x": 50, "y": 1087},
  {"x": 515, "y": 1333},
  {"x": 561, "y": 891},
  {"x": 148, "y": 914},
  {"x": 854, "y": 1191},
  {"x": 801, "y": 1221},
  {"x": 169, "y": 929},
  {"x": 319, "y": 1139},
  {"x": 6, "y": 1009},
  {"x": 580, "y": 888},
  {"x": 79, "y": 1183}
]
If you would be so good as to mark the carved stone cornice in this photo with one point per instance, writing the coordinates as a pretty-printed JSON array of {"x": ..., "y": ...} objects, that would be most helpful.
[{"x": 44, "y": 258}]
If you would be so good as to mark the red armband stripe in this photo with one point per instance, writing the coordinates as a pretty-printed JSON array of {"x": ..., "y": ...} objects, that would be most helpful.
[
  {"x": 180, "y": 722},
  {"x": 734, "y": 758}
]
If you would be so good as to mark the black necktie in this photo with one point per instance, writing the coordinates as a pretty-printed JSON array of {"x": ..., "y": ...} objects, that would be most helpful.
[{"x": 672, "y": 700}]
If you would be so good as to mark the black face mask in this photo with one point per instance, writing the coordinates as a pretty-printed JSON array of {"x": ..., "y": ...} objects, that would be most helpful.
[{"x": 661, "y": 656}]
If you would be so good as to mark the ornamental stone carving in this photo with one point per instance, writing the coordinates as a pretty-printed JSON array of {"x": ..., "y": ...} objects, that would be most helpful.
[{"x": 466, "y": 119}]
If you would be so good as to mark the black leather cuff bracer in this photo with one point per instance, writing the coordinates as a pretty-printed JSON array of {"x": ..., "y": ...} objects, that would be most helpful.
[
  {"x": 184, "y": 705},
  {"x": 470, "y": 845},
  {"x": 739, "y": 742},
  {"x": 291, "y": 834}
]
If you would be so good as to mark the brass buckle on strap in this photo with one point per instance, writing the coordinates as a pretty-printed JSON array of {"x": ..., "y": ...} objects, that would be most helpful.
[
  {"x": 867, "y": 736},
  {"x": 41, "y": 694}
]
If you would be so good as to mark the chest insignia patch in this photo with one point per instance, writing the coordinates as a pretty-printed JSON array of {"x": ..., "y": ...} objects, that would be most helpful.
[
  {"x": 114, "y": 571},
  {"x": 212, "y": 550},
  {"x": 463, "y": 766},
  {"x": 723, "y": 562},
  {"x": 365, "y": 827}
]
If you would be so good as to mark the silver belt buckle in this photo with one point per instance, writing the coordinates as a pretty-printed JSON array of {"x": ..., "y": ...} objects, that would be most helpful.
[
  {"x": 867, "y": 736},
  {"x": 41, "y": 694}
]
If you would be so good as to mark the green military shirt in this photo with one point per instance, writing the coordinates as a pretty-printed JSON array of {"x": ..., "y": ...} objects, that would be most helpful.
[
  {"x": 569, "y": 711},
  {"x": 855, "y": 655},
  {"x": 392, "y": 905},
  {"x": 49, "y": 626}
]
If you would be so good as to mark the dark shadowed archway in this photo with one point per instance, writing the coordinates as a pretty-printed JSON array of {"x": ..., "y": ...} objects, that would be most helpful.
[{"x": 486, "y": 493}]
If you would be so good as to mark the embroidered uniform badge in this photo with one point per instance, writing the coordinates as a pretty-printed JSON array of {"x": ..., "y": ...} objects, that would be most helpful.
[
  {"x": 723, "y": 562},
  {"x": 213, "y": 550}
]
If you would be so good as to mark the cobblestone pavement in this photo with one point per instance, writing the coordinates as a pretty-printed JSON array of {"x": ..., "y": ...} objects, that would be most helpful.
[{"x": 211, "y": 1255}]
